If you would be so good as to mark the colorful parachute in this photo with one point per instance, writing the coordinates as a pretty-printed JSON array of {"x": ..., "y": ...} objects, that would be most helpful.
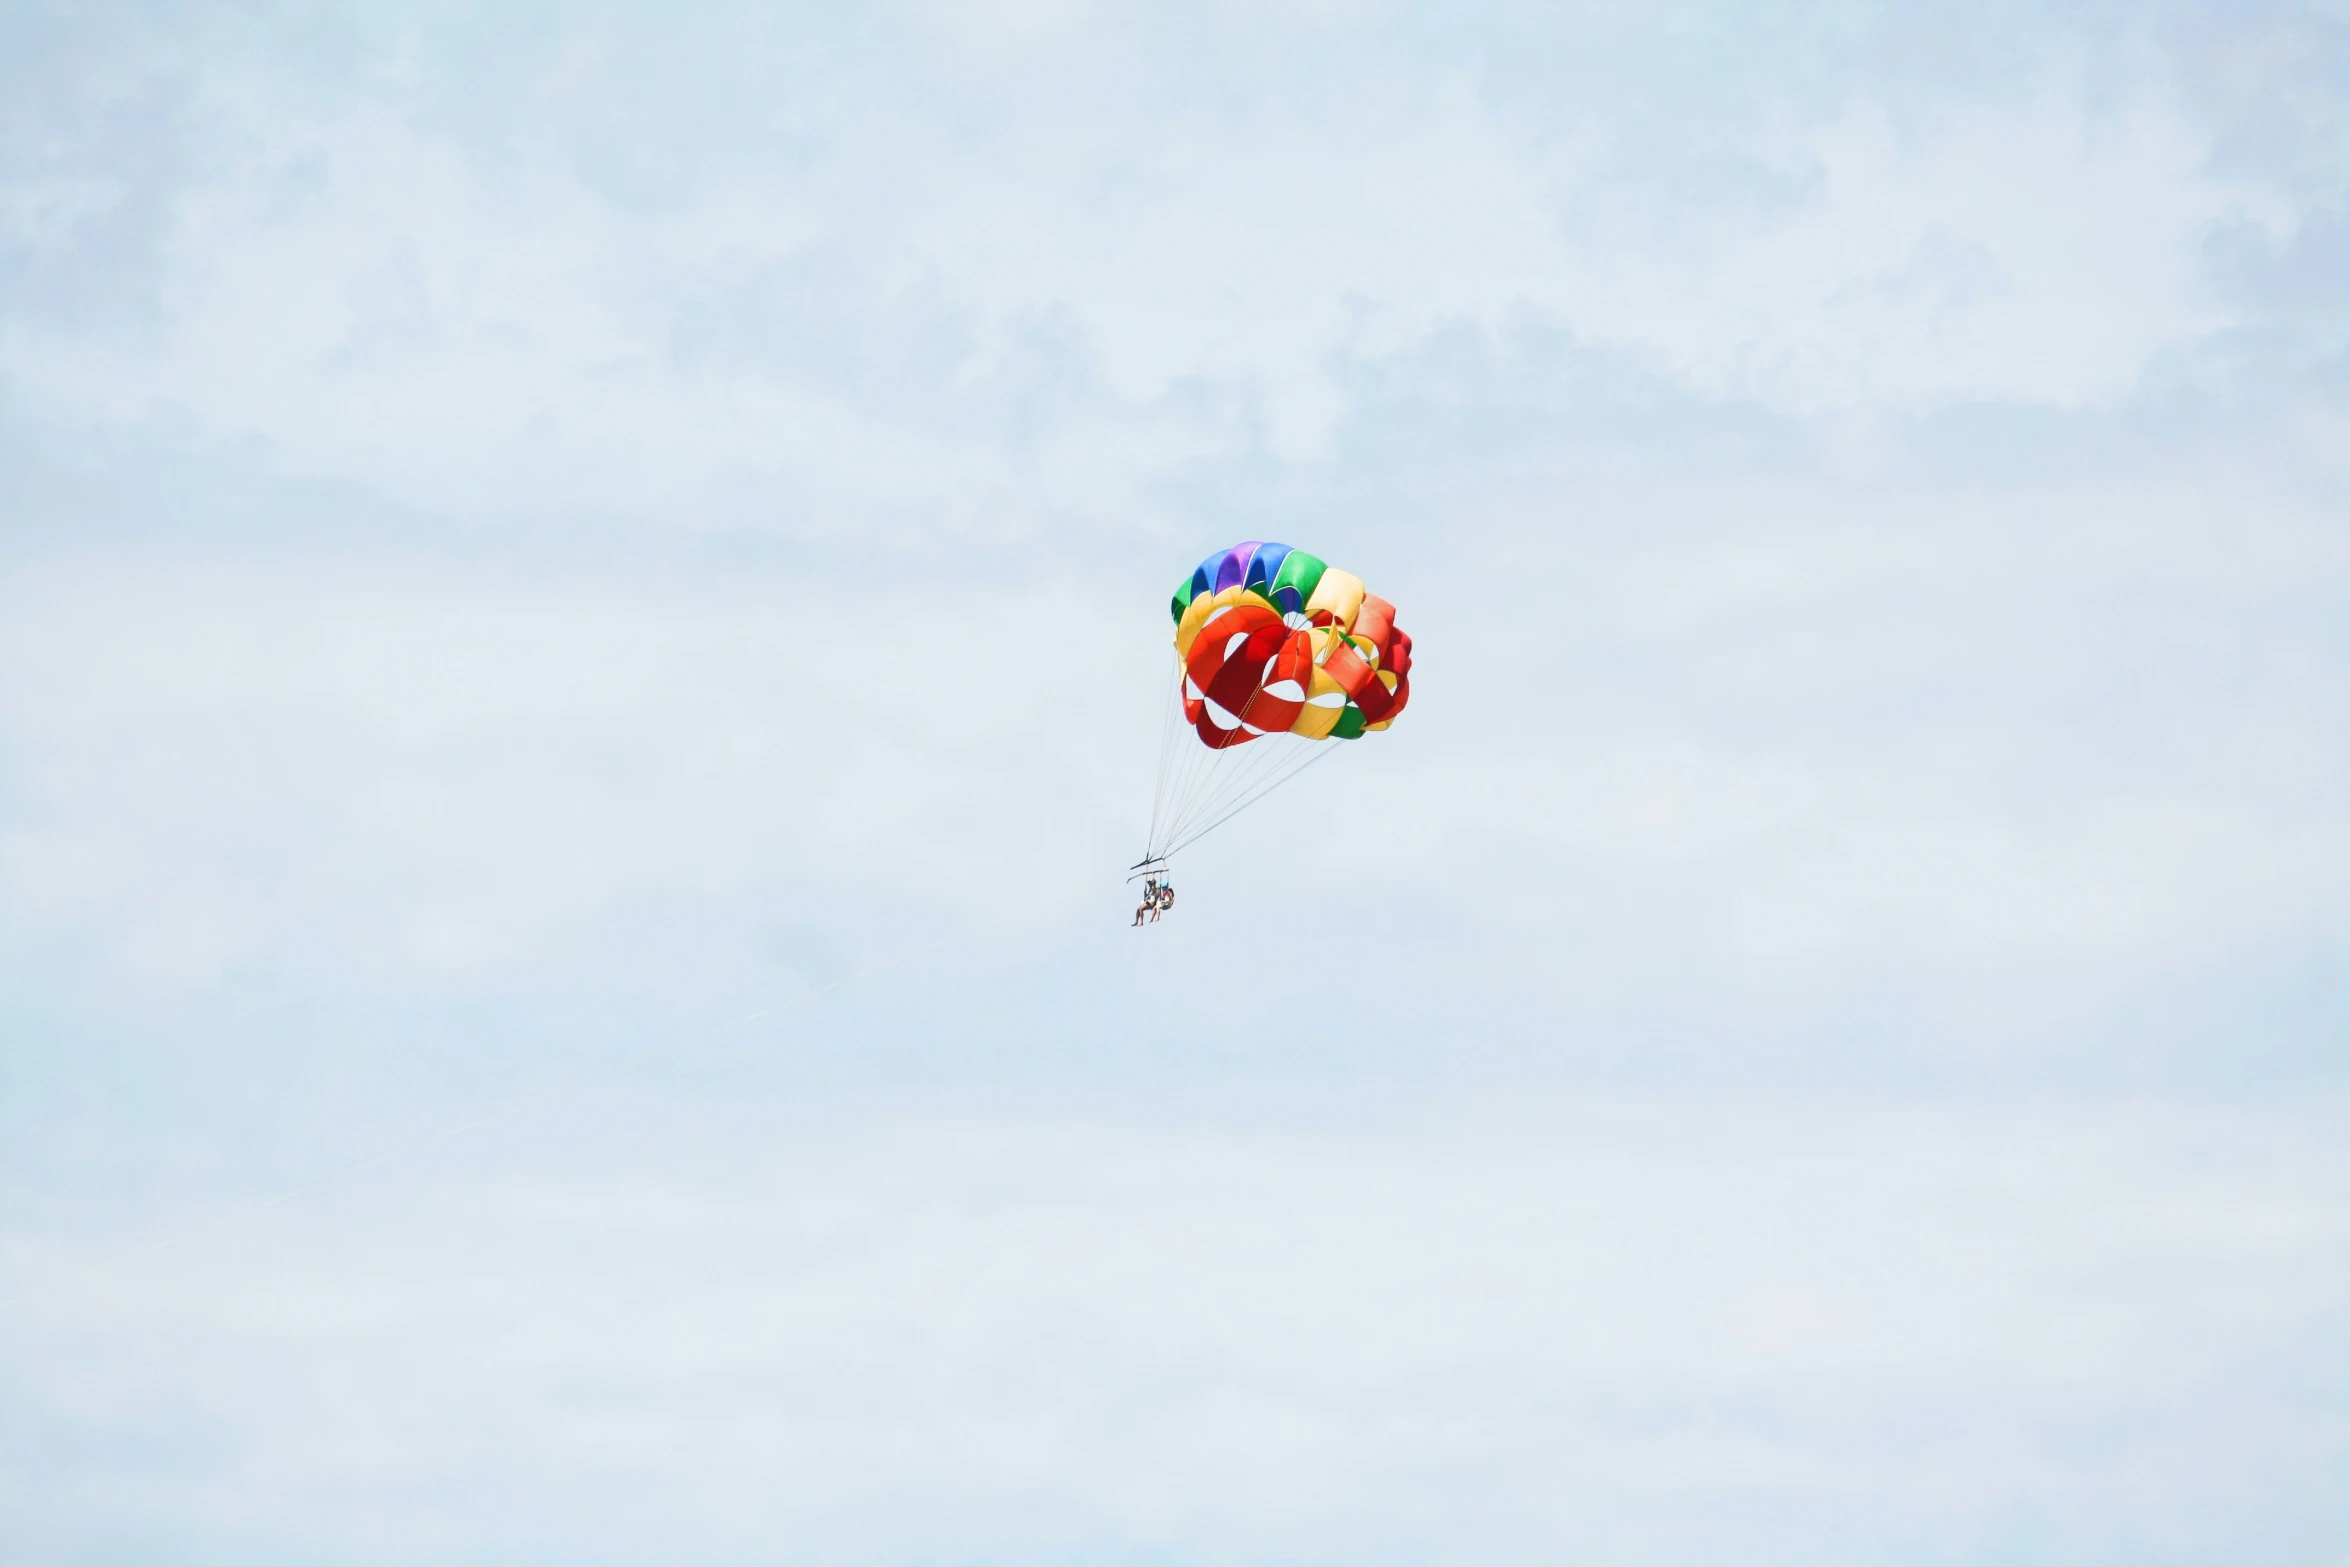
[{"x": 1271, "y": 645}]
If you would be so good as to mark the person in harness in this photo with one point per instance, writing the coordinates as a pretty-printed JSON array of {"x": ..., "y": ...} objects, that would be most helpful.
[
  {"x": 1166, "y": 900},
  {"x": 1150, "y": 900}
]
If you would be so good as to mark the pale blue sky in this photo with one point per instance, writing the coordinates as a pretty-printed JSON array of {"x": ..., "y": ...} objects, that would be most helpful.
[{"x": 526, "y": 535}]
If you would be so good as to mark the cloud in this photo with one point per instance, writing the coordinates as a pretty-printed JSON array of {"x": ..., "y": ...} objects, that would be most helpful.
[
  {"x": 441, "y": 774},
  {"x": 480, "y": 323},
  {"x": 533, "y": 545},
  {"x": 1626, "y": 1330}
]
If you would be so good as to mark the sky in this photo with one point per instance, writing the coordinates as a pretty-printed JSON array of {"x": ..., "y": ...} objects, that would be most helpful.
[{"x": 582, "y": 624}]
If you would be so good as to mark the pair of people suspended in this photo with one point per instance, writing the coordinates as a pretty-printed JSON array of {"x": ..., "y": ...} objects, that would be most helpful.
[{"x": 1156, "y": 900}]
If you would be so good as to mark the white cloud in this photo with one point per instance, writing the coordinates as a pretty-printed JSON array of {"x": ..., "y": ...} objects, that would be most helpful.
[
  {"x": 366, "y": 291},
  {"x": 2037, "y": 253},
  {"x": 1648, "y": 1330},
  {"x": 1833, "y": 670},
  {"x": 445, "y": 773}
]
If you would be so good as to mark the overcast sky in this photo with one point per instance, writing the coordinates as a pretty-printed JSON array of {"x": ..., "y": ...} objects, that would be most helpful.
[{"x": 582, "y": 609}]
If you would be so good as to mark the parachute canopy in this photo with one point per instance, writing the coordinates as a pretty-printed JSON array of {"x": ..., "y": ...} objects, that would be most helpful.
[{"x": 1271, "y": 644}]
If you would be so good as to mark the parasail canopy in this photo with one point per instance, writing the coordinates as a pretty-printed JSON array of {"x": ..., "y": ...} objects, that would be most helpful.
[{"x": 1276, "y": 651}]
